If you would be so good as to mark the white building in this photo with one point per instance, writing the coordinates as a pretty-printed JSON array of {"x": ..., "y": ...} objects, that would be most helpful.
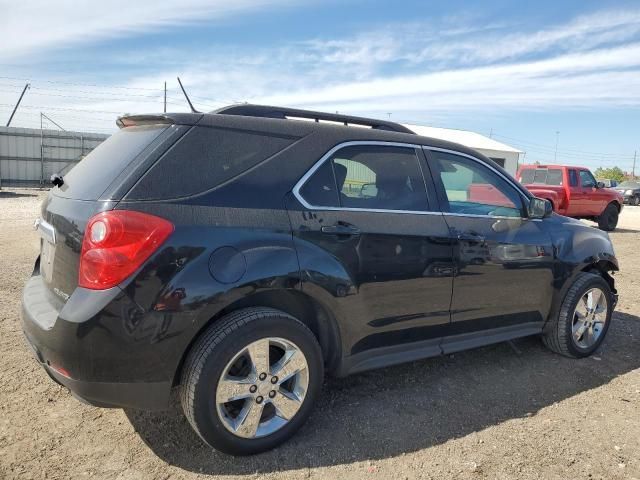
[{"x": 502, "y": 154}]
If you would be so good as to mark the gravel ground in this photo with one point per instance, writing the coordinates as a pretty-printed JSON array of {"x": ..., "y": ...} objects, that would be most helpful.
[{"x": 504, "y": 411}]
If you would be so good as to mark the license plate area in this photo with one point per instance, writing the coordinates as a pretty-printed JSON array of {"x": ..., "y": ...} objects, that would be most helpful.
[
  {"x": 47, "y": 248},
  {"x": 47, "y": 254}
]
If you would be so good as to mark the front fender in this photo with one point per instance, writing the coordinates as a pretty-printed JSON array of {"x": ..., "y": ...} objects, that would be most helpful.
[{"x": 578, "y": 248}]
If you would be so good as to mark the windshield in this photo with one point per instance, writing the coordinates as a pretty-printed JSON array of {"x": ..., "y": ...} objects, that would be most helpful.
[
  {"x": 93, "y": 174},
  {"x": 628, "y": 184}
]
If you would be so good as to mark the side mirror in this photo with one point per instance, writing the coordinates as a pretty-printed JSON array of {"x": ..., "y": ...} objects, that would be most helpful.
[
  {"x": 540, "y": 208},
  {"x": 600, "y": 185}
]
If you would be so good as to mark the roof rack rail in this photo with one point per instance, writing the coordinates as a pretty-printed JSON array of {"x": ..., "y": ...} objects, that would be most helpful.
[{"x": 251, "y": 110}]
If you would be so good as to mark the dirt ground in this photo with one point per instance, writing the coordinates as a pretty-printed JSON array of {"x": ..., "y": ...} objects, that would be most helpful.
[{"x": 497, "y": 412}]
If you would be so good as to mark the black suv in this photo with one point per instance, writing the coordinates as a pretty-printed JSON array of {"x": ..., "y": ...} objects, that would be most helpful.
[{"x": 239, "y": 255}]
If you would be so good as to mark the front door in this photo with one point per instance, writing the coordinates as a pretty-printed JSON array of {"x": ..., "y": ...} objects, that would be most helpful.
[
  {"x": 372, "y": 246},
  {"x": 504, "y": 278},
  {"x": 594, "y": 199}
]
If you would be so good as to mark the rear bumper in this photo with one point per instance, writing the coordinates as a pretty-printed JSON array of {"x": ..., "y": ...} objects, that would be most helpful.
[
  {"x": 145, "y": 396},
  {"x": 84, "y": 346}
]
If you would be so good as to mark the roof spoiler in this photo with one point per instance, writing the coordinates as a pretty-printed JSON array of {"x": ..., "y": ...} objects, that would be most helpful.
[
  {"x": 136, "y": 120},
  {"x": 250, "y": 110}
]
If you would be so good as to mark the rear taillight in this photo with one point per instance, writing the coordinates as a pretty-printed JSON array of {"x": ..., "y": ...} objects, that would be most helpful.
[{"x": 116, "y": 243}]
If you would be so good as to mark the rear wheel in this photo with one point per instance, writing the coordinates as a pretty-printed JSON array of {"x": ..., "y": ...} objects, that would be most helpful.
[
  {"x": 251, "y": 381},
  {"x": 636, "y": 200},
  {"x": 608, "y": 220},
  {"x": 584, "y": 318}
]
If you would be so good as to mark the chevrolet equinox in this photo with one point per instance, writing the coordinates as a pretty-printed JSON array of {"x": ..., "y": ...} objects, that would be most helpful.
[{"x": 242, "y": 254}]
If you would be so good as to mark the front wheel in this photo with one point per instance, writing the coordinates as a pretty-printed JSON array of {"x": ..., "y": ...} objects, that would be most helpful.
[
  {"x": 608, "y": 220},
  {"x": 583, "y": 319},
  {"x": 251, "y": 380},
  {"x": 636, "y": 200}
]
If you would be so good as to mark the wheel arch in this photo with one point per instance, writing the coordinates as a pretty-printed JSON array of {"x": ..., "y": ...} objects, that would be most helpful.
[
  {"x": 596, "y": 265},
  {"x": 603, "y": 268},
  {"x": 305, "y": 308},
  {"x": 615, "y": 203}
]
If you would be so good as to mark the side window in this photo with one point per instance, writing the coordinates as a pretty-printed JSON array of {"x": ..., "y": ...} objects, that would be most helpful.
[
  {"x": 320, "y": 190},
  {"x": 473, "y": 189},
  {"x": 369, "y": 177},
  {"x": 573, "y": 178},
  {"x": 379, "y": 177},
  {"x": 204, "y": 158},
  {"x": 586, "y": 179}
]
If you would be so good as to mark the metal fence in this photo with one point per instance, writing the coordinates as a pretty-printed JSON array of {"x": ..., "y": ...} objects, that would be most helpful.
[{"x": 30, "y": 156}]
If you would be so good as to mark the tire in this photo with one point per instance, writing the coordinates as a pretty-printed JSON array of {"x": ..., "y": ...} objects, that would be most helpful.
[
  {"x": 559, "y": 334},
  {"x": 609, "y": 218},
  {"x": 214, "y": 355},
  {"x": 636, "y": 200}
]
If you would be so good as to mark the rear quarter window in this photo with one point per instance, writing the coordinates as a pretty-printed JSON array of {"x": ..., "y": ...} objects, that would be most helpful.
[{"x": 203, "y": 159}]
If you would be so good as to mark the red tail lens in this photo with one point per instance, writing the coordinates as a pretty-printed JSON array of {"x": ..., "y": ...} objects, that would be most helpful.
[{"x": 115, "y": 245}]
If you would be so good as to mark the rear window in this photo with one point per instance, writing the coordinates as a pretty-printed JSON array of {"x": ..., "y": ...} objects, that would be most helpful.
[
  {"x": 93, "y": 174},
  {"x": 543, "y": 176},
  {"x": 204, "y": 158}
]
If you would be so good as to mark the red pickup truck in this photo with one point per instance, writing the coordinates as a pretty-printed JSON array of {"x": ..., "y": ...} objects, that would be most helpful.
[{"x": 574, "y": 192}]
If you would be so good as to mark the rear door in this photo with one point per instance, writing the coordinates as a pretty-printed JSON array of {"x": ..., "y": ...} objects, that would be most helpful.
[
  {"x": 372, "y": 245},
  {"x": 504, "y": 262}
]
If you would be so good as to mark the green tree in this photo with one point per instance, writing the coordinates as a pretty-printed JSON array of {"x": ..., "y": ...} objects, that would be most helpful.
[{"x": 614, "y": 173}]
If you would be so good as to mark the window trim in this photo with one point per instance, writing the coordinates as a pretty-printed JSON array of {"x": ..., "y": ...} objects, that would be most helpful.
[
  {"x": 518, "y": 189},
  {"x": 327, "y": 157}
]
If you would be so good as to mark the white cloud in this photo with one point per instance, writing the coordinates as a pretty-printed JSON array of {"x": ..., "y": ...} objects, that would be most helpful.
[
  {"x": 582, "y": 33},
  {"x": 44, "y": 25},
  {"x": 591, "y": 61}
]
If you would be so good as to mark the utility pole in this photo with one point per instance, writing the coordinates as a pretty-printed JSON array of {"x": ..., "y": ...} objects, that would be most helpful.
[
  {"x": 555, "y": 155},
  {"x": 633, "y": 170},
  {"x": 17, "y": 104},
  {"x": 165, "y": 97},
  {"x": 41, "y": 150}
]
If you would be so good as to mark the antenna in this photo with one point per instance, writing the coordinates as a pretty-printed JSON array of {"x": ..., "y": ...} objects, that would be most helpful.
[{"x": 187, "y": 97}]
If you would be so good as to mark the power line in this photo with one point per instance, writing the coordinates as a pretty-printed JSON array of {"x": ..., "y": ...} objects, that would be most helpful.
[
  {"x": 570, "y": 150},
  {"x": 43, "y": 107},
  {"x": 58, "y": 82},
  {"x": 76, "y": 97},
  {"x": 91, "y": 92}
]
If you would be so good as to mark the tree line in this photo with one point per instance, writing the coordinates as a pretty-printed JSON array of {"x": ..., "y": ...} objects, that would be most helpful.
[{"x": 613, "y": 173}]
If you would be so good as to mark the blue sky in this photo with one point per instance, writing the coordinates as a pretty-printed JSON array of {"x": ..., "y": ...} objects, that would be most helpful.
[{"x": 520, "y": 71}]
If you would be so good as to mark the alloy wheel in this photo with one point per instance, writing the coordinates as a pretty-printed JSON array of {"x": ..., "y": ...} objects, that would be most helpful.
[
  {"x": 589, "y": 318},
  {"x": 262, "y": 387}
]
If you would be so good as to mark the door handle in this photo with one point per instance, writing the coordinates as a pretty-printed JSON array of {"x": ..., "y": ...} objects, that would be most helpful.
[
  {"x": 471, "y": 237},
  {"x": 340, "y": 229}
]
